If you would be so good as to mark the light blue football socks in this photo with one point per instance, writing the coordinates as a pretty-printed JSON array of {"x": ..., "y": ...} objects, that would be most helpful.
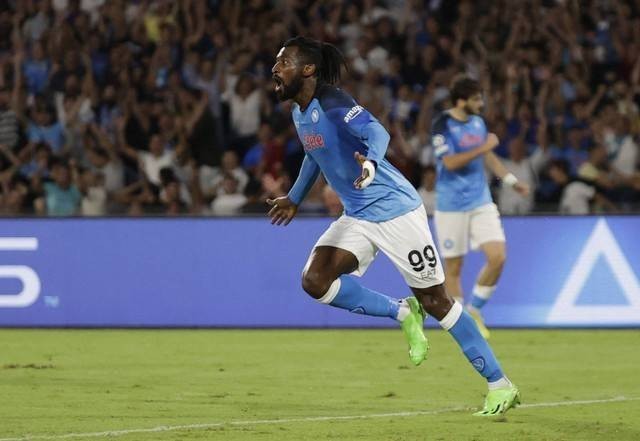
[
  {"x": 347, "y": 293},
  {"x": 465, "y": 331}
]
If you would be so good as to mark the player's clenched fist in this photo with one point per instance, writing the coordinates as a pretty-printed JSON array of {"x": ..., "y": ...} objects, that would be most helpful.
[
  {"x": 282, "y": 210},
  {"x": 492, "y": 142},
  {"x": 368, "y": 171}
]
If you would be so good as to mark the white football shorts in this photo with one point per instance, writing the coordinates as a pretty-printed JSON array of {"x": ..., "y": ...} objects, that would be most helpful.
[
  {"x": 457, "y": 230},
  {"x": 406, "y": 240}
]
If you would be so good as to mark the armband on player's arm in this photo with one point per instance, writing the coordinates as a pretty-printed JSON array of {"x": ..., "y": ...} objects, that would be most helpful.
[{"x": 309, "y": 172}]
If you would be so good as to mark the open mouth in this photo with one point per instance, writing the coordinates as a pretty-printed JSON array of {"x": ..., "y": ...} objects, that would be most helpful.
[{"x": 279, "y": 83}]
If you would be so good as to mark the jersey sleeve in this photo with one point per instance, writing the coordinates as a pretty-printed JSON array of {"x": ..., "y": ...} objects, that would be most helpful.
[
  {"x": 441, "y": 138},
  {"x": 309, "y": 172},
  {"x": 354, "y": 119}
]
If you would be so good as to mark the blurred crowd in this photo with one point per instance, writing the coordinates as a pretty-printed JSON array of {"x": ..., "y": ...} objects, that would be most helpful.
[{"x": 167, "y": 107}]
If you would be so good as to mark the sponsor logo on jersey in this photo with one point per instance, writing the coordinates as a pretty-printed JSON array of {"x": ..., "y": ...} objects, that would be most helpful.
[
  {"x": 468, "y": 140},
  {"x": 312, "y": 141},
  {"x": 315, "y": 115},
  {"x": 351, "y": 114}
]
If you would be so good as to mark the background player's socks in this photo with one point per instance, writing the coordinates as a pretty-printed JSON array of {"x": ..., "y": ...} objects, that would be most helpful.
[
  {"x": 348, "y": 294},
  {"x": 481, "y": 294},
  {"x": 464, "y": 330}
]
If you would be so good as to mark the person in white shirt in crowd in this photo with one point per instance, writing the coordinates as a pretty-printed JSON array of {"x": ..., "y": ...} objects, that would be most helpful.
[
  {"x": 245, "y": 105},
  {"x": 351, "y": 30},
  {"x": 231, "y": 201},
  {"x": 155, "y": 159},
  {"x": 596, "y": 169},
  {"x": 239, "y": 63},
  {"x": 209, "y": 81},
  {"x": 623, "y": 150},
  {"x": 149, "y": 162},
  {"x": 94, "y": 194},
  {"x": 526, "y": 169},
  {"x": 103, "y": 158},
  {"x": 576, "y": 195},
  {"x": 365, "y": 55},
  {"x": 211, "y": 182}
]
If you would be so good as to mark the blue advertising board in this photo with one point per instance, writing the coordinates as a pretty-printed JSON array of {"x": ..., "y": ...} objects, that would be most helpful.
[{"x": 560, "y": 271}]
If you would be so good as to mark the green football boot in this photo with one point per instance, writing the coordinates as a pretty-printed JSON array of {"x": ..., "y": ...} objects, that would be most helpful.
[
  {"x": 498, "y": 401},
  {"x": 413, "y": 328}
]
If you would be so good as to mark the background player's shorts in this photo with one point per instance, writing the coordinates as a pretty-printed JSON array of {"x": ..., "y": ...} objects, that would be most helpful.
[
  {"x": 406, "y": 240},
  {"x": 458, "y": 229}
]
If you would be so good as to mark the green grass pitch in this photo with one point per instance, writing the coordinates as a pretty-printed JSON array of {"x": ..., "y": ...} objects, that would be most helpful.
[{"x": 310, "y": 385}]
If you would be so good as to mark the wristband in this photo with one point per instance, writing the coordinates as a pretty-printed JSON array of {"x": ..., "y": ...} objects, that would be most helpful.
[
  {"x": 510, "y": 179},
  {"x": 368, "y": 165}
]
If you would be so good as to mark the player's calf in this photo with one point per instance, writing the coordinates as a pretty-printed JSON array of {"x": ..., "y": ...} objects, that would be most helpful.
[
  {"x": 346, "y": 293},
  {"x": 454, "y": 319}
]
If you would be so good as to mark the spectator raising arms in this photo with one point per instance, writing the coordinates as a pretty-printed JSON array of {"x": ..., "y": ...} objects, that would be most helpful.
[{"x": 125, "y": 89}]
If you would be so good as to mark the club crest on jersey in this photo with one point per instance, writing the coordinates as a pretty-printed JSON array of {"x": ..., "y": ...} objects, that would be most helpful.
[
  {"x": 439, "y": 145},
  {"x": 351, "y": 114},
  {"x": 312, "y": 141},
  {"x": 315, "y": 115},
  {"x": 438, "y": 140}
]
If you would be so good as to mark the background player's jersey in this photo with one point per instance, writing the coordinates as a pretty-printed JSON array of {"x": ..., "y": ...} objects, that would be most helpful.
[
  {"x": 332, "y": 128},
  {"x": 465, "y": 188}
]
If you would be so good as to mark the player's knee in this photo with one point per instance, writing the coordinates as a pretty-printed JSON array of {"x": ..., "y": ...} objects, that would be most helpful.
[
  {"x": 434, "y": 300},
  {"x": 315, "y": 283}
]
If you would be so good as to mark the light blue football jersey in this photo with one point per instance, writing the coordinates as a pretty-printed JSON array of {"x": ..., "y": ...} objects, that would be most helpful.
[
  {"x": 332, "y": 128},
  {"x": 465, "y": 188}
]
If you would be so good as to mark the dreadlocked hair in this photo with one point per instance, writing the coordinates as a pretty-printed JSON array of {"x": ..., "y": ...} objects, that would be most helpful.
[{"x": 327, "y": 58}]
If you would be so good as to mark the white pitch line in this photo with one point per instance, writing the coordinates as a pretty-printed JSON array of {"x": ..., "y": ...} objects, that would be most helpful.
[{"x": 113, "y": 433}]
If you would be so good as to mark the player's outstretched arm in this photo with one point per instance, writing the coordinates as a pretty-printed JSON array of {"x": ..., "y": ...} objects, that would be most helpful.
[
  {"x": 459, "y": 160},
  {"x": 282, "y": 210},
  {"x": 307, "y": 176}
]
